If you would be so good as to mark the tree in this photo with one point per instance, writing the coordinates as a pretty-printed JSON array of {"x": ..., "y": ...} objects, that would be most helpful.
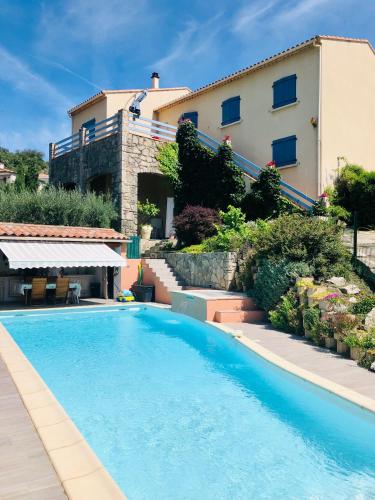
[
  {"x": 27, "y": 165},
  {"x": 206, "y": 178},
  {"x": 228, "y": 185},
  {"x": 264, "y": 199}
]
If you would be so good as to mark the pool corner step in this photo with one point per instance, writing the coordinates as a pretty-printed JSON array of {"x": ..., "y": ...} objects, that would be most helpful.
[{"x": 239, "y": 316}]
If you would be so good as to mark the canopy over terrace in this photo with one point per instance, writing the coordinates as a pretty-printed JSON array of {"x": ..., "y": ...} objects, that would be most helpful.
[{"x": 33, "y": 248}]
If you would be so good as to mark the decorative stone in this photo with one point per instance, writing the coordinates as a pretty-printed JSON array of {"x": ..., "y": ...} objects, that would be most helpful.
[
  {"x": 338, "y": 281},
  {"x": 370, "y": 319},
  {"x": 350, "y": 289},
  {"x": 352, "y": 300},
  {"x": 372, "y": 367}
]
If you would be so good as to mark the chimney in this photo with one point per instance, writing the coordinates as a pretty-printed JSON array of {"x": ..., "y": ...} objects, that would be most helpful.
[{"x": 155, "y": 80}]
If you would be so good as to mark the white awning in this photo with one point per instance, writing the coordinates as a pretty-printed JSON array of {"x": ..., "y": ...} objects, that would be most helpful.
[{"x": 22, "y": 255}]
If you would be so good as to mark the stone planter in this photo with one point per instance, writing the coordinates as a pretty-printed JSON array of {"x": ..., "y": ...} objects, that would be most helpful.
[
  {"x": 342, "y": 348},
  {"x": 356, "y": 353},
  {"x": 146, "y": 231},
  {"x": 330, "y": 342}
]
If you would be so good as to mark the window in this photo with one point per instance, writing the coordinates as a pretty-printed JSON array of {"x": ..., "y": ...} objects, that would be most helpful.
[
  {"x": 284, "y": 151},
  {"x": 192, "y": 116},
  {"x": 284, "y": 91},
  {"x": 90, "y": 126},
  {"x": 230, "y": 110}
]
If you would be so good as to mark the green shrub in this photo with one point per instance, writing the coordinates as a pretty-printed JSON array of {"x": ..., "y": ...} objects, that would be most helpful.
[
  {"x": 195, "y": 249},
  {"x": 287, "y": 314},
  {"x": 194, "y": 224},
  {"x": 355, "y": 191},
  {"x": 318, "y": 328},
  {"x": 56, "y": 207},
  {"x": 168, "y": 163},
  {"x": 305, "y": 239},
  {"x": 273, "y": 280},
  {"x": 264, "y": 198},
  {"x": 364, "y": 305},
  {"x": 146, "y": 211}
]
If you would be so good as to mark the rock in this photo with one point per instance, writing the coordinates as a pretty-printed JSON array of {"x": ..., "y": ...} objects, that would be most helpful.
[
  {"x": 350, "y": 289},
  {"x": 337, "y": 281},
  {"x": 372, "y": 367},
  {"x": 370, "y": 319},
  {"x": 353, "y": 300}
]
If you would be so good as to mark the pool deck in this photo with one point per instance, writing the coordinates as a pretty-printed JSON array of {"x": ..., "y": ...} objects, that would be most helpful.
[
  {"x": 26, "y": 472},
  {"x": 305, "y": 355}
]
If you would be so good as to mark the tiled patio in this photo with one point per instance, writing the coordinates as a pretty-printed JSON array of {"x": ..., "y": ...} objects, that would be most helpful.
[{"x": 26, "y": 472}]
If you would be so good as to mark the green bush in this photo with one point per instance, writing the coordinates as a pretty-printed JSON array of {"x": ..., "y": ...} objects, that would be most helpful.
[
  {"x": 206, "y": 178},
  {"x": 263, "y": 201},
  {"x": 194, "y": 249},
  {"x": 287, "y": 314},
  {"x": 57, "y": 207},
  {"x": 355, "y": 191},
  {"x": 305, "y": 239},
  {"x": 168, "y": 163},
  {"x": 273, "y": 279},
  {"x": 146, "y": 211},
  {"x": 364, "y": 305}
]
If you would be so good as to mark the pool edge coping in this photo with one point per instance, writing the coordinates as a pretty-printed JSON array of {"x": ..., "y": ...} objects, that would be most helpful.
[
  {"x": 80, "y": 471},
  {"x": 341, "y": 391}
]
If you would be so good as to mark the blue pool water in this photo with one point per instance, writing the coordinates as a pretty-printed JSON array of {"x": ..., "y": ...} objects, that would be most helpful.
[{"x": 177, "y": 410}]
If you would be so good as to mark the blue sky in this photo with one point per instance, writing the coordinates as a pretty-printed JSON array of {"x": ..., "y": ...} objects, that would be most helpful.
[{"x": 54, "y": 54}]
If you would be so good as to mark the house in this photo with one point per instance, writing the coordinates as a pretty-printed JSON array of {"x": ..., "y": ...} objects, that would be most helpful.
[
  {"x": 306, "y": 108},
  {"x": 6, "y": 176},
  {"x": 90, "y": 256},
  {"x": 106, "y": 103}
]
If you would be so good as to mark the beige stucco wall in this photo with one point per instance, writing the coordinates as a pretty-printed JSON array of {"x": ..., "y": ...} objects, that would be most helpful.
[
  {"x": 97, "y": 110},
  {"x": 112, "y": 102},
  {"x": 347, "y": 106},
  {"x": 259, "y": 126}
]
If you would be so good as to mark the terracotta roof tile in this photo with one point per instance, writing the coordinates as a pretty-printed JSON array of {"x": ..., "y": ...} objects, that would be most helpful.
[{"x": 44, "y": 231}]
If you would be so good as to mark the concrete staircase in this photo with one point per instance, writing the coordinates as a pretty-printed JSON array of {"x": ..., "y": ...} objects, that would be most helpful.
[
  {"x": 241, "y": 310},
  {"x": 157, "y": 272},
  {"x": 150, "y": 249}
]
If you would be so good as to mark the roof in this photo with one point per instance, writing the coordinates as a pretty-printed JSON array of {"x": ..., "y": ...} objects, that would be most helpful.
[
  {"x": 264, "y": 62},
  {"x": 5, "y": 170},
  {"x": 103, "y": 93},
  {"x": 16, "y": 230}
]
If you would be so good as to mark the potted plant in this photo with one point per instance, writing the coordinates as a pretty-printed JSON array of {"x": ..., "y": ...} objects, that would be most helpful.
[
  {"x": 352, "y": 340},
  {"x": 311, "y": 317},
  {"x": 146, "y": 211},
  {"x": 142, "y": 293}
]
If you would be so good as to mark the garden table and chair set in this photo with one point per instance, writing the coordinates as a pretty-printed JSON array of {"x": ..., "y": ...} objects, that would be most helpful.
[{"x": 47, "y": 290}]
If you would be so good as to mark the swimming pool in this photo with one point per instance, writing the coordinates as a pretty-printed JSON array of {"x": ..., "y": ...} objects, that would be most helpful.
[{"x": 176, "y": 409}]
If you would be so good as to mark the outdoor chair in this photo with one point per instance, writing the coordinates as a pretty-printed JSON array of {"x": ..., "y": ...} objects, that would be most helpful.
[
  {"x": 38, "y": 290},
  {"x": 62, "y": 289}
]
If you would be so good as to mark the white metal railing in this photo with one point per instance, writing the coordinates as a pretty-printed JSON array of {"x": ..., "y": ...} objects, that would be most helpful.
[{"x": 152, "y": 128}]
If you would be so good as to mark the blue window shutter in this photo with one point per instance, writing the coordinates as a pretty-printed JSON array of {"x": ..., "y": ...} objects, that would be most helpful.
[
  {"x": 284, "y": 151},
  {"x": 192, "y": 116},
  {"x": 231, "y": 110},
  {"x": 90, "y": 127},
  {"x": 284, "y": 91}
]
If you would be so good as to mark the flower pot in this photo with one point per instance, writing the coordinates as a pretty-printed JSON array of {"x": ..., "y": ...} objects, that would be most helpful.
[
  {"x": 330, "y": 342},
  {"x": 143, "y": 293},
  {"x": 342, "y": 348},
  {"x": 356, "y": 353},
  {"x": 146, "y": 231}
]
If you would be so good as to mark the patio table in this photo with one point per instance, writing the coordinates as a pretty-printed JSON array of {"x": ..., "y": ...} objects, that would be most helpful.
[{"x": 74, "y": 288}]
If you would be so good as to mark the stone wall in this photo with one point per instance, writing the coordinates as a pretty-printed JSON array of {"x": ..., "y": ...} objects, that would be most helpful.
[
  {"x": 210, "y": 270},
  {"x": 123, "y": 155}
]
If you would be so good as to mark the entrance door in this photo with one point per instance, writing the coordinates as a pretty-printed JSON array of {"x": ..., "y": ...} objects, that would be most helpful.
[{"x": 169, "y": 217}]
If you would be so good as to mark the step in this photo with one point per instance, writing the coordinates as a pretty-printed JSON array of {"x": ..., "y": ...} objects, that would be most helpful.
[
  {"x": 240, "y": 304},
  {"x": 231, "y": 316}
]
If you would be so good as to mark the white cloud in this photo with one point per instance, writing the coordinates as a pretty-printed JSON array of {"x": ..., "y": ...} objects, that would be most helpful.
[
  {"x": 17, "y": 73},
  {"x": 196, "y": 39},
  {"x": 248, "y": 15},
  {"x": 295, "y": 12}
]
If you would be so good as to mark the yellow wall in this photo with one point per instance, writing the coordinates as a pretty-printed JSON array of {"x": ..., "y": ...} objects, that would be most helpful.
[
  {"x": 348, "y": 106},
  {"x": 113, "y": 101},
  {"x": 253, "y": 136},
  {"x": 97, "y": 110}
]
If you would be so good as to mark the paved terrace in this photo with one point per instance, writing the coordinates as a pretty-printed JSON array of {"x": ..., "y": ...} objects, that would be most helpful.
[
  {"x": 318, "y": 360},
  {"x": 26, "y": 472}
]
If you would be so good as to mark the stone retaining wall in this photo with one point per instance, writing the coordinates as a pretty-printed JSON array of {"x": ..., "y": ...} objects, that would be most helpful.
[{"x": 209, "y": 270}]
